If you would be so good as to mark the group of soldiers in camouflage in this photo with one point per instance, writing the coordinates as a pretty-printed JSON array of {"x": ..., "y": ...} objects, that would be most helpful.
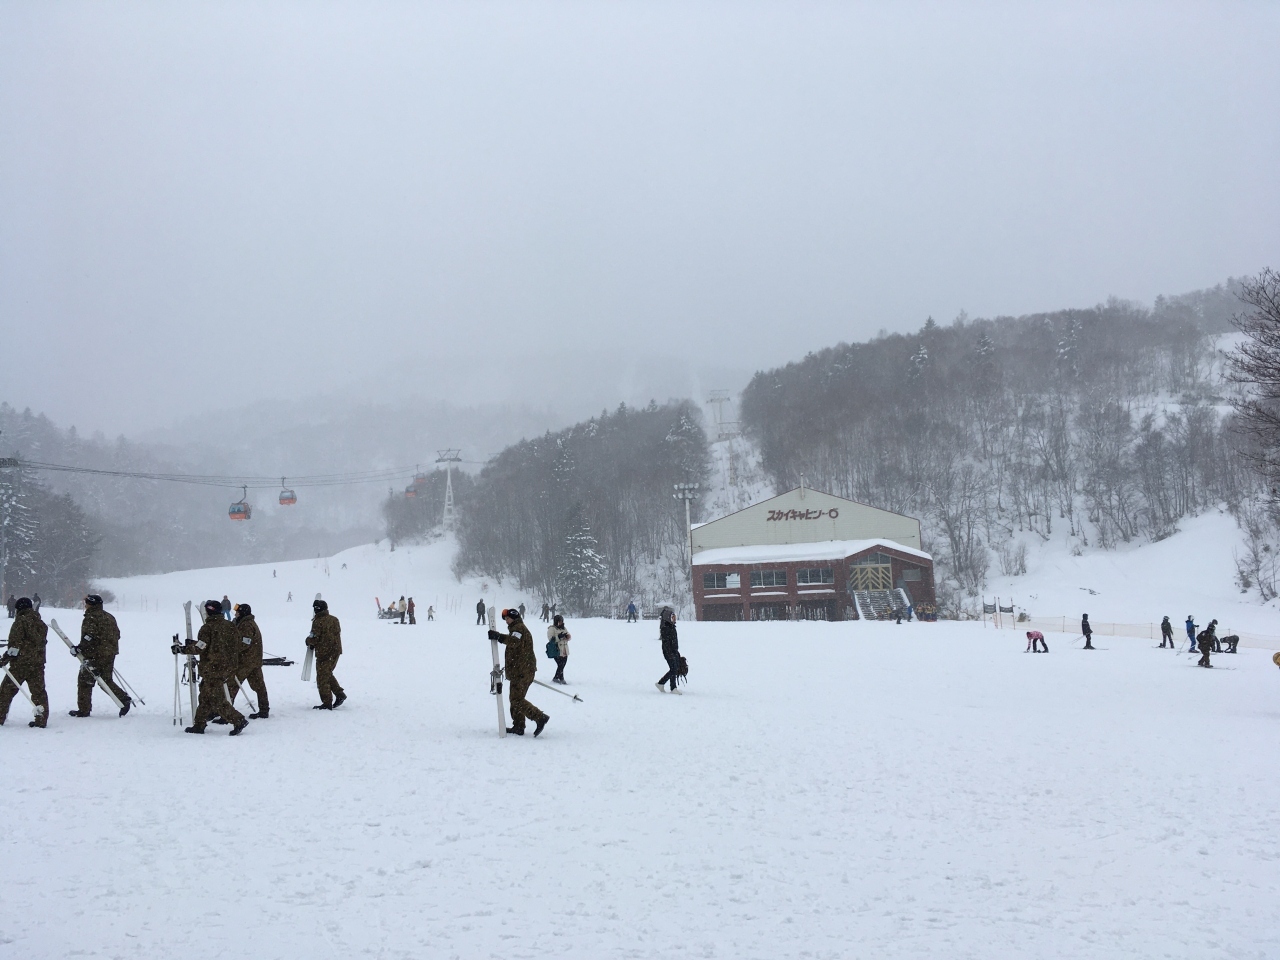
[
  {"x": 24, "y": 660},
  {"x": 230, "y": 654}
]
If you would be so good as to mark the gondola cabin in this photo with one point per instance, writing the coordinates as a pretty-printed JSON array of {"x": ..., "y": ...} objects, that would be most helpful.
[
  {"x": 240, "y": 509},
  {"x": 410, "y": 492},
  {"x": 287, "y": 497}
]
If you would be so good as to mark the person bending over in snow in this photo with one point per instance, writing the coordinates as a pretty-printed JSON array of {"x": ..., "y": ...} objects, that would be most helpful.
[{"x": 1035, "y": 640}]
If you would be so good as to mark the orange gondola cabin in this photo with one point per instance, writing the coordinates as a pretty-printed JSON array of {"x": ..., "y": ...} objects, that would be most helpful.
[{"x": 240, "y": 509}]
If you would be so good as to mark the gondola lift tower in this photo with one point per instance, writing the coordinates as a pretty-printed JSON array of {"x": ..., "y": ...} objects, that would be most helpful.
[{"x": 448, "y": 458}]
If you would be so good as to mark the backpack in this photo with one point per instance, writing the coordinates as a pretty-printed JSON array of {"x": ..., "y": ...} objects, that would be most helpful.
[
  {"x": 553, "y": 649},
  {"x": 682, "y": 671}
]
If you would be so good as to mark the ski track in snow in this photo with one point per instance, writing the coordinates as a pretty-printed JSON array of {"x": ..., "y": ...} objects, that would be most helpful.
[{"x": 821, "y": 791}]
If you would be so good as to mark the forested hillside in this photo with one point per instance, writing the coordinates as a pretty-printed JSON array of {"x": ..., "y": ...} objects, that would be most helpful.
[
  {"x": 585, "y": 515},
  {"x": 1100, "y": 426}
]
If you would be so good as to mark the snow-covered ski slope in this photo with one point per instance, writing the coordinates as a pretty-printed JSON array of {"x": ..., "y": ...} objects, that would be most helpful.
[{"x": 821, "y": 790}]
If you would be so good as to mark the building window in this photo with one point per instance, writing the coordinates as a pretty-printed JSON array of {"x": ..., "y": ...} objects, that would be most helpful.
[
  {"x": 768, "y": 578},
  {"x": 875, "y": 559},
  {"x": 815, "y": 575},
  {"x": 911, "y": 574},
  {"x": 721, "y": 581}
]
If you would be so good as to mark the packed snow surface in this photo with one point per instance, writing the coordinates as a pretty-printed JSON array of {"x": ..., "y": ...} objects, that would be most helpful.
[{"x": 820, "y": 790}]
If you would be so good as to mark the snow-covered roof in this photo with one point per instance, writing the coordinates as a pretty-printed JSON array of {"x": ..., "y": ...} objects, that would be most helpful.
[{"x": 787, "y": 552}]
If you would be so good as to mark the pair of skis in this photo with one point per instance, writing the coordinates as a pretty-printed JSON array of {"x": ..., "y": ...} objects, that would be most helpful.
[{"x": 309, "y": 661}]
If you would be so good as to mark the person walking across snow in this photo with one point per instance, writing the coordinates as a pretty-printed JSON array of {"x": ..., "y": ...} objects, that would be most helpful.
[{"x": 557, "y": 634}]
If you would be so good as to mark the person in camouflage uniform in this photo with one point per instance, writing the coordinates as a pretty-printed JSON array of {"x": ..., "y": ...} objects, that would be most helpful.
[
  {"x": 99, "y": 645},
  {"x": 326, "y": 639},
  {"x": 521, "y": 666},
  {"x": 25, "y": 660},
  {"x": 248, "y": 668},
  {"x": 215, "y": 644}
]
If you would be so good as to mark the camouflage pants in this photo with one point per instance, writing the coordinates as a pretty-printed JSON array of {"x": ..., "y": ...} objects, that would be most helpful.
[
  {"x": 257, "y": 684},
  {"x": 326, "y": 683},
  {"x": 521, "y": 708},
  {"x": 213, "y": 702},
  {"x": 33, "y": 677},
  {"x": 85, "y": 682}
]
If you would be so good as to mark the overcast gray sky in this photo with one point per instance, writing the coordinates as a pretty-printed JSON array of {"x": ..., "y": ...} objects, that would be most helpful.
[{"x": 202, "y": 204}]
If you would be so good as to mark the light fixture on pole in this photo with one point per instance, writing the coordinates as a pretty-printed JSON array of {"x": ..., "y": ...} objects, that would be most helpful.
[{"x": 687, "y": 492}]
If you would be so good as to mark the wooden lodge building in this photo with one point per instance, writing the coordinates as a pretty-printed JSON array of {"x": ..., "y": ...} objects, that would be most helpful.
[{"x": 805, "y": 555}]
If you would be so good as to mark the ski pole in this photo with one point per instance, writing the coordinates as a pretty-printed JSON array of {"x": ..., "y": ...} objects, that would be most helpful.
[
  {"x": 563, "y": 693},
  {"x": 9, "y": 676},
  {"x": 240, "y": 688},
  {"x": 127, "y": 685}
]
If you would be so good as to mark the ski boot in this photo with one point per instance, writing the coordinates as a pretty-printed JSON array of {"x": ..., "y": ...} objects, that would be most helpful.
[
  {"x": 128, "y": 703},
  {"x": 322, "y": 706},
  {"x": 37, "y": 724},
  {"x": 199, "y": 729},
  {"x": 261, "y": 714},
  {"x": 541, "y": 724},
  {"x": 78, "y": 713},
  {"x": 235, "y": 730},
  {"x": 339, "y": 700},
  {"x": 518, "y": 731}
]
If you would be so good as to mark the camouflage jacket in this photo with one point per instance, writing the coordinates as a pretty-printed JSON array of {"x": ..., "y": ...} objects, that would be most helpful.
[
  {"x": 28, "y": 637},
  {"x": 520, "y": 660},
  {"x": 326, "y": 635},
  {"x": 215, "y": 644},
  {"x": 248, "y": 644},
  {"x": 99, "y": 634}
]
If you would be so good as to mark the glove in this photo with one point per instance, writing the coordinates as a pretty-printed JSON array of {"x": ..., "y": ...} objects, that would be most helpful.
[
  {"x": 75, "y": 651},
  {"x": 494, "y": 635},
  {"x": 175, "y": 649},
  {"x": 11, "y": 655}
]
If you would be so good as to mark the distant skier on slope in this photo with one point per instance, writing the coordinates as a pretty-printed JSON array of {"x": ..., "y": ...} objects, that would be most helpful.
[
  {"x": 632, "y": 612},
  {"x": 1166, "y": 633},
  {"x": 670, "y": 650},
  {"x": 480, "y": 612},
  {"x": 1088, "y": 633},
  {"x": 1191, "y": 631},
  {"x": 521, "y": 665},
  {"x": 1205, "y": 639}
]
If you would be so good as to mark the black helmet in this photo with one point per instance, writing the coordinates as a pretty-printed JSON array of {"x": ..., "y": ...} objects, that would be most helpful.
[
  {"x": 510, "y": 613},
  {"x": 93, "y": 600},
  {"x": 24, "y": 603},
  {"x": 319, "y": 605},
  {"x": 244, "y": 611},
  {"x": 558, "y": 620},
  {"x": 668, "y": 615},
  {"x": 213, "y": 607}
]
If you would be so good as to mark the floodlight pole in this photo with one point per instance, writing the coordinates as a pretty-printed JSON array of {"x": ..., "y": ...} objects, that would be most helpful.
[
  {"x": 448, "y": 458},
  {"x": 687, "y": 492}
]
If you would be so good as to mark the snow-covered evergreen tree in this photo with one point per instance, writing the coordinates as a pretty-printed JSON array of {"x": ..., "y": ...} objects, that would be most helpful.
[{"x": 582, "y": 570}]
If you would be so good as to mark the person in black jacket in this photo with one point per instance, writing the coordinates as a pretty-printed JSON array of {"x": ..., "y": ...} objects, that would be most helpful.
[
  {"x": 1166, "y": 633},
  {"x": 670, "y": 649},
  {"x": 480, "y": 612},
  {"x": 1088, "y": 632}
]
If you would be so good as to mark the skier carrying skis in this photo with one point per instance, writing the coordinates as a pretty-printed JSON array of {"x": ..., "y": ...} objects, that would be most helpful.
[
  {"x": 1166, "y": 633},
  {"x": 670, "y": 650},
  {"x": 25, "y": 660},
  {"x": 1088, "y": 633},
  {"x": 99, "y": 644},
  {"x": 521, "y": 666},
  {"x": 215, "y": 643},
  {"x": 557, "y": 634},
  {"x": 326, "y": 639},
  {"x": 1035, "y": 640},
  {"x": 248, "y": 668}
]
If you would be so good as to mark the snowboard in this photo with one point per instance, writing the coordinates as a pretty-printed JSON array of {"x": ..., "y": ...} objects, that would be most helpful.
[{"x": 495, "y": 677}]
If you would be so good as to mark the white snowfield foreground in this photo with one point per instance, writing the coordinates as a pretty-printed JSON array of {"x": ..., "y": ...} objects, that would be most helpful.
[{"x": 822, "y": 790}]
